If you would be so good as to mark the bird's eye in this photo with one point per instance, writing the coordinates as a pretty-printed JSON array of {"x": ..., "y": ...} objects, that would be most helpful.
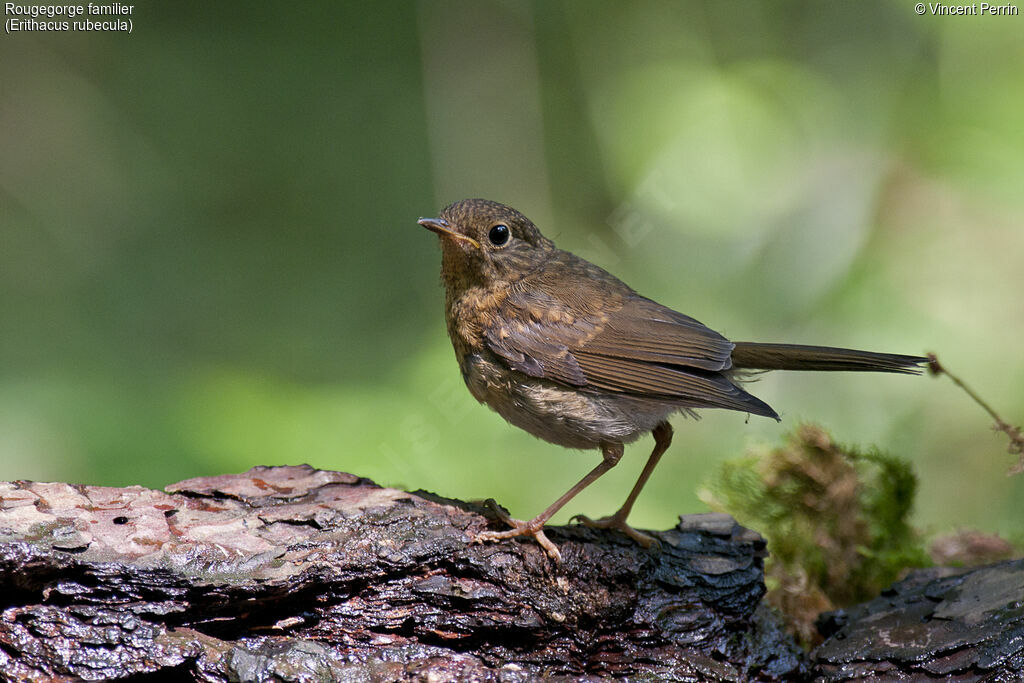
[{"x": 499, "y": 235}]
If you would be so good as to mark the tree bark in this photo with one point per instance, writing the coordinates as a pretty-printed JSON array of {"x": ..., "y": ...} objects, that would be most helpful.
[
  {"x": 937, "y": 624},
  {"x": 296, "y": 574},
  {"x": 291, "y": 573}
]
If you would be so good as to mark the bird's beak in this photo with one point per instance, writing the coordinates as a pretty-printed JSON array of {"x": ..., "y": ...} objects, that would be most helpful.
[{"x": 441, "y": 227}]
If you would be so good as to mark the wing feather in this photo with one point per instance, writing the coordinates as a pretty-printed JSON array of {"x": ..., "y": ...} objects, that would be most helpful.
[
  {"x": 627, "y": 344},
  {"x": 691, "y": 387}
]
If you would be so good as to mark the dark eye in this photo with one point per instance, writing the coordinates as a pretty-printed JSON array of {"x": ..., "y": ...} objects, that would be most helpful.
[{"x": 499, "y": 234}]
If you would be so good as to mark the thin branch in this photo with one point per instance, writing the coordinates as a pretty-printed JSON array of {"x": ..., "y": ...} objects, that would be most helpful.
[{"x": 1015, "y": 434}]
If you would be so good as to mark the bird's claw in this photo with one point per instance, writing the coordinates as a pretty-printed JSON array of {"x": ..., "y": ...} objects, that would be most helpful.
[
  {"x": 618, "y": 522},
  {"x": 534, "y": 528}
]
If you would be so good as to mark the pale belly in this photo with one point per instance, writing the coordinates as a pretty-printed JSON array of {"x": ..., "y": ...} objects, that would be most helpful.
[{"x": 570, "y": 418}]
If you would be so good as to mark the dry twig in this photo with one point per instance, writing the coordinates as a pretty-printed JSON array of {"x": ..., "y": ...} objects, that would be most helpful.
[{"x": 1015, "y": 434}]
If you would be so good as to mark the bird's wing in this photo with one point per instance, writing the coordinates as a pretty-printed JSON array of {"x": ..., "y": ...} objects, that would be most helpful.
[{"x": 618, "y": 341}]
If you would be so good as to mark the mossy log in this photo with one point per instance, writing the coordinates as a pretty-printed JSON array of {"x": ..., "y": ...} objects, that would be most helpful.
[{"x": 291, "y": 573}]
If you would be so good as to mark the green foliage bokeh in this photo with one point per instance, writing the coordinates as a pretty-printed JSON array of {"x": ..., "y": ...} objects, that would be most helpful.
[{"x": 209, "y": 257}]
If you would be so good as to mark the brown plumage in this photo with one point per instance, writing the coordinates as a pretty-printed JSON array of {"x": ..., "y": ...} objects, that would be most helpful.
[{"x": 566, "y": 351}]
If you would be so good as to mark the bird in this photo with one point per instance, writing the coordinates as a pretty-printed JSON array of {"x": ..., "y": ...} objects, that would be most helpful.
[{"x": 571, "y": 354}]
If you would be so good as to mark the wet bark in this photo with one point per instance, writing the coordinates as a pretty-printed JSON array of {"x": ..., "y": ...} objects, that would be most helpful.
[
  {"x": 937, "y": 624},
  {"x": 291, "y": 573}
]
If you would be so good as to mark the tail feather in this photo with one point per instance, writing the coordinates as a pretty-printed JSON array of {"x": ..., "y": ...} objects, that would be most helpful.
[{"x": 756, "y": 356}]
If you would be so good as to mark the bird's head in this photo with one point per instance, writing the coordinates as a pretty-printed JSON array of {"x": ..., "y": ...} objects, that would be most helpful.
[{"x": 486, "y": 243}]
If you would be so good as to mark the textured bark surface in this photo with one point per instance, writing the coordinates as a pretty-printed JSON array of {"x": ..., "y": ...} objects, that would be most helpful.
[
  {"x": 291, "y": 573},
  {"x": 937, "y": 624}
]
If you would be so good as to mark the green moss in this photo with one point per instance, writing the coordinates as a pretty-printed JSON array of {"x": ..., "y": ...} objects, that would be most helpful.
[{"x": 836, "y": 520}]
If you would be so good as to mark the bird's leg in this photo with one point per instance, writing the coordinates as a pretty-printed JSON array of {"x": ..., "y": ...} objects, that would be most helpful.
[
  {"x": 610, "y": 452},
  {"x": 662, "y": 438}
]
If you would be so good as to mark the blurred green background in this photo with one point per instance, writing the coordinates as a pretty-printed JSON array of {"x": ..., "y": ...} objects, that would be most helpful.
[{"x": 209, "y": 257}]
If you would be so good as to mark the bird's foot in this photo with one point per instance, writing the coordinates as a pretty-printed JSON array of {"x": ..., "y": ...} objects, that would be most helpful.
[
  {"x": 617, "y": 522},
  {"x": 533, "y": 527}
]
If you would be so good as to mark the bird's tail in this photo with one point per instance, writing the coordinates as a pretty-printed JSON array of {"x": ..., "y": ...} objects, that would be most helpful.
[{"x": 755, "y": 356}]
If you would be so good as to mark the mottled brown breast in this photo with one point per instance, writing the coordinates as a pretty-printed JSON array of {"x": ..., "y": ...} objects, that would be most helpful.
[{"x": 469, "y": 313}]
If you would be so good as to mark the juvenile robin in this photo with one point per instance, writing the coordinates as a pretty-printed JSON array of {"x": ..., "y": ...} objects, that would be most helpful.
[{"x": 563, "y": 349}]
